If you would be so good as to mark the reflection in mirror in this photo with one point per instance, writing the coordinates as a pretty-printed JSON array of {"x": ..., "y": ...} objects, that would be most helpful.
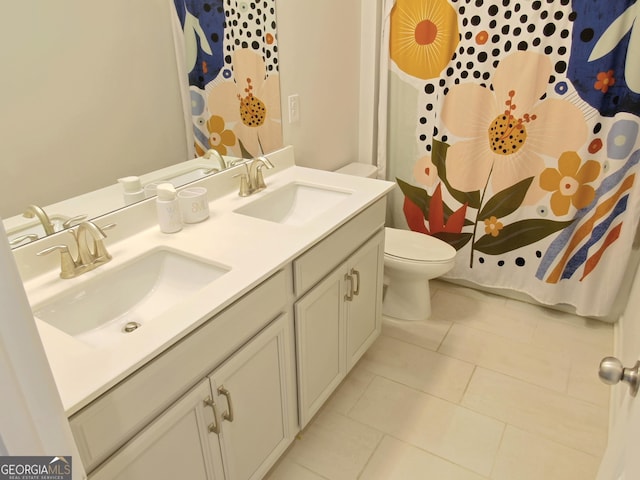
[
  {"x": 93, "y": 96},
  {"x": 105, "y": 97}
]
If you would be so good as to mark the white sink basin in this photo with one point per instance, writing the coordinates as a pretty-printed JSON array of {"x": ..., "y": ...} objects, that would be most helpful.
[
  {"x": 294, "y": 204},
  {"x": 100, "y": 310}
]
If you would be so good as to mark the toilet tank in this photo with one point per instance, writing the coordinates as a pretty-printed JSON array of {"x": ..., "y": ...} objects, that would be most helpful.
[{"x": 359, "y": 170}]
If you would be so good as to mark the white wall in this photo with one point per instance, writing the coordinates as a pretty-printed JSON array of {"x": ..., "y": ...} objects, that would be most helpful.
[
  {"x": 32, "y": 420},
  {"x": 322, "y": 48},
  {"x": 86, "y": 88}
]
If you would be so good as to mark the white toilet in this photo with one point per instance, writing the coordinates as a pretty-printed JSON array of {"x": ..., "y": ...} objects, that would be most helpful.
[{"x": 411, "y": 259}]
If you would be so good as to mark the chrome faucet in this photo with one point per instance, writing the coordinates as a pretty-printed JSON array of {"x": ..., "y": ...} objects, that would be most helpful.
[
  {"x": 256, "y": 180},
  {"x": 92, "y": 252},
  {"x": 214, "y": 153},
  {"x": 36, "y": 211},
  {"x": 252, "y": 180}
]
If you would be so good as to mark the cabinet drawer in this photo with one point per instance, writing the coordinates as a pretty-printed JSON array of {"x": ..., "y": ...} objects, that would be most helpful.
[
  {"x": 313, "y": 265},
  {"x": 108, "y": 422}
]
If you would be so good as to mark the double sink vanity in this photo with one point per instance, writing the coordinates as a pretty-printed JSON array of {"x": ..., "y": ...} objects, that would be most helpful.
[{"x": 201, "y": 354}]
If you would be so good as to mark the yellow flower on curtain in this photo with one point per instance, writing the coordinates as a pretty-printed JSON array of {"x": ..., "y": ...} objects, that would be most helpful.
[
  {"x": 568, "y": 182},
  {"x": 492, "y": 226},
  {"x": 423, "y": 36},
  {"x": 251, "y": 102},
  {"x": 505, "y": 131},
  {"x": 219, "y": 137}
]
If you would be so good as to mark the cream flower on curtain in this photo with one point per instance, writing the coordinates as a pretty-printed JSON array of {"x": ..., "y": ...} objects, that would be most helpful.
[
  {"x": 425, "y": 172},
  {"x": 251, "y": 103},
  {"x": 506, "y": 130}
]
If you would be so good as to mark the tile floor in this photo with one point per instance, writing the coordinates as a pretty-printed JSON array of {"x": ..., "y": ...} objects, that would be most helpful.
[{"x": 489, "y": 388}]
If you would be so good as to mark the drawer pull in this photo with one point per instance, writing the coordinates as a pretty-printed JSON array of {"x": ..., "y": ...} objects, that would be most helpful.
[
  {"x": 228, "y": 415},
  {"x": 349, "y": 295},
  {"x": 357, "y": 274},
  {"x": 215, "y": 426}
]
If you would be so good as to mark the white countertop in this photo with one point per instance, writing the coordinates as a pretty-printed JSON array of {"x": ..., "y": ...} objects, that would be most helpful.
[{"x": 253, "y": 248}]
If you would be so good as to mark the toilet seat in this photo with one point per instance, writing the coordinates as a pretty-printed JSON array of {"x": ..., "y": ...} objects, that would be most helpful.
[{"x": 408, "y": 246}]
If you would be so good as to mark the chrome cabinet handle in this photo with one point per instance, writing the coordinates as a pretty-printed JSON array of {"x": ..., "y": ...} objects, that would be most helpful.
[
  {"x": 228, "y": 415},
  {"x": 357, "y": 274},
  {"x": 611, "y": 372},
  {"x": 215, "y": 426},
  {"x": 349, "y": 295}
]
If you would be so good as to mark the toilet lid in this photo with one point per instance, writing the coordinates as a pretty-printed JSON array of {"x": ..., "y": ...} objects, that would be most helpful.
[{"x": 416, "y": 246}]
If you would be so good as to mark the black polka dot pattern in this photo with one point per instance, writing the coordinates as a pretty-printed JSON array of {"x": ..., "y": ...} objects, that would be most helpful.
[
  {"x": 489, "y": 31},
  {"x": 252, "y": 24}
]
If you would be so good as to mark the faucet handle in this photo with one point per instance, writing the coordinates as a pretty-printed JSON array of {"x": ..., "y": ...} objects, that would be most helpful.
[
  {"x": 23, "y": 238},
  {"x": 101, "y": 254},
  {"x": 68, "y": 267},
  {"x": 260, "y": 185},
  {"x": 245, "y": 188},
  {"x": 73, "y": 220}
]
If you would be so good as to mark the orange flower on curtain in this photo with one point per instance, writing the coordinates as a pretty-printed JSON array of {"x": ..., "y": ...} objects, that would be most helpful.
[
  {"x": 569, "y": 182},
  {"x": 423, "y": 36},
  {"x": 504, "y": 132},
  {"x": 250, "y": 102}
]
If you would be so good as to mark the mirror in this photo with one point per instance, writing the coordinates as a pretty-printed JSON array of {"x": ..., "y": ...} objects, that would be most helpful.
[{"x": 91, "y": 94}]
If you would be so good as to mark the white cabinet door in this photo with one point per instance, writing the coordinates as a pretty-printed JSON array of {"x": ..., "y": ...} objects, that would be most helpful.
[
  {"x": 336, "y": 321},
  {"x": 255, "y": 395},
  {"x": 364, "y": 298},
  {"x": 176, "y": 445},
  {"x": 319, "y": 338}
]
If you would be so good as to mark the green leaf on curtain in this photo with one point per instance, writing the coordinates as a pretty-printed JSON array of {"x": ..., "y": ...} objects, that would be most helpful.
[
  {"x": 438, "y": 158},
  {"x": 417, "y": 195},
  {"x": 456, "y": 240},
  {"x": 506, "y": 201},
  {"x": 244, "y": 151},
  {"x": 518, "y": 234}
]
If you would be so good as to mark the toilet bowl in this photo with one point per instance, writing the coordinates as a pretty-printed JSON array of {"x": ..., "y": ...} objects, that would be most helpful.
[{"x": 411, "y": 259}]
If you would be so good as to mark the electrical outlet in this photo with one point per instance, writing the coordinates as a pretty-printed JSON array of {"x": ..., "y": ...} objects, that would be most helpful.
[{"x": 294, "y": 108}]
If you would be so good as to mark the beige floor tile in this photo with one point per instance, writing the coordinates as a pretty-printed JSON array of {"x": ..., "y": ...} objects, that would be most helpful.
[
  {"x": 571, "y": 422},
  {"x": 532, "y": 364},
  {"x": 437, "y": 426},
  {"x": 493, "y": 317},
  {"x": 428, "y": 334},
  {"x": 584, "y": 382},
  {"x": 334, "y": 446},
  {"x": 288, "y": 470},
  {"x": 482, "y": 296},
  {"x": 416, "y": 367},
  {"x": 396, "y": 460},
  {"x": 454, "y": 306},
  {"x": 350, "y": 390},
  {"x": 571, "y": 334},
  {"x": 525, "y": 456}
]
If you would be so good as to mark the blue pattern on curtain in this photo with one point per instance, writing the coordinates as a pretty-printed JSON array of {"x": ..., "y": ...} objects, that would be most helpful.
[{"x": 232, "y": 61}]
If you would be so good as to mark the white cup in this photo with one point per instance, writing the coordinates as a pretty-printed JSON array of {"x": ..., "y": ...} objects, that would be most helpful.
[
  {"x": 193, "y": 204},
  {"x": 150, "y": 190}
]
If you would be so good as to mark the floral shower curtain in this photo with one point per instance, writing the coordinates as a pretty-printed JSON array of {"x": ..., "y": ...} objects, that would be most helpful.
[
  {"x": 513, "y": 135},
  {"x": 232, "y": 59}
]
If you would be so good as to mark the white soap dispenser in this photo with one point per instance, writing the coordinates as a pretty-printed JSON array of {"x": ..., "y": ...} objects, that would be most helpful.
[
  {"x": 133, "y": 191},
  {"x": 168, "y": 209}
]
